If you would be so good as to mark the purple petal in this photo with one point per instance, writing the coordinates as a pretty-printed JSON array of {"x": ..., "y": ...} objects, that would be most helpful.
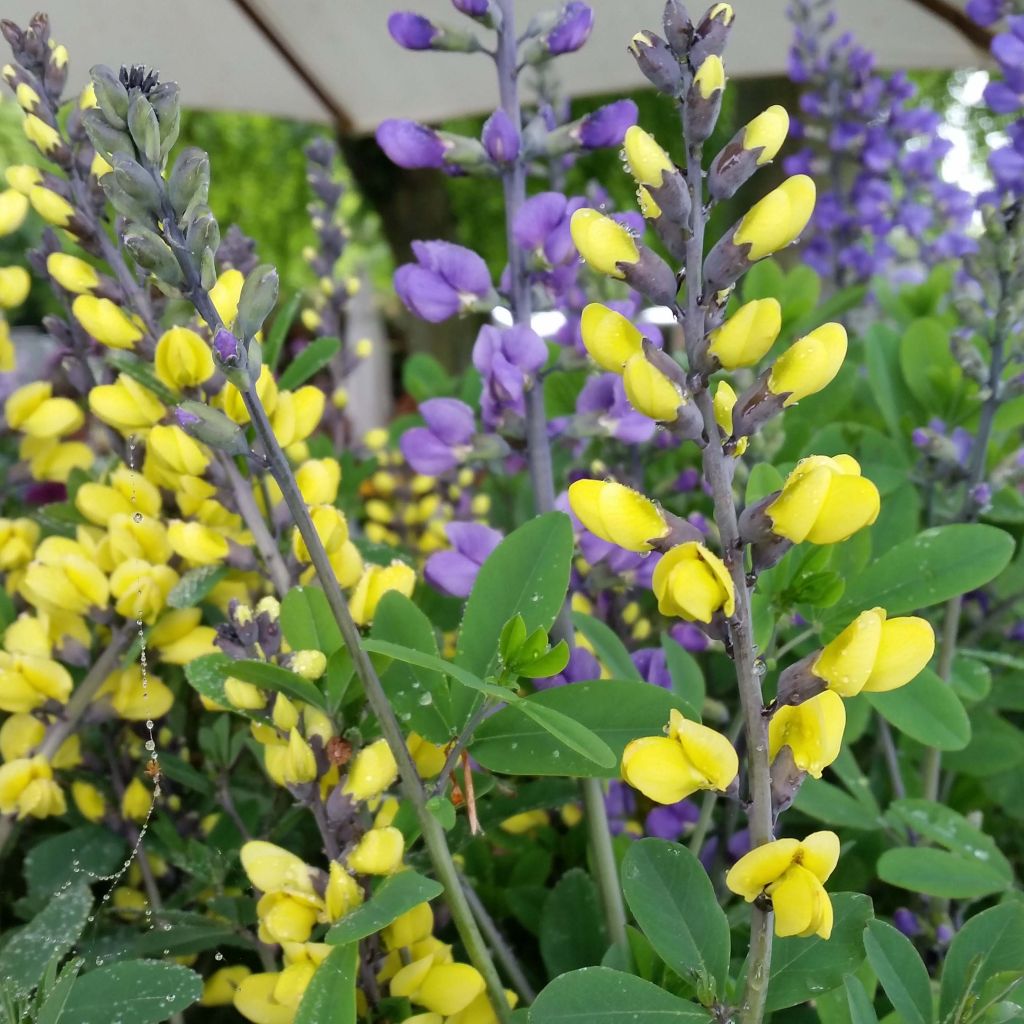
[
  {"x": 450, "y": 572},
  {"x": 451, "y": 420},
  {"x": 572, "y": 29},
  {"x": 607, "y": 125},
  {"x": 462, "y": 268},
  {"x": 412, "y": 31},
  {"x": 537, "y": 218},
  {"x": 500, "y": 138},
  {"x": 525, "y": 348},
  {"x": 473, "y": 540},
  {"x": 410, "y": 145},
  {"x": 426, "y": 453},
  {"x": 425, "y": 293}
]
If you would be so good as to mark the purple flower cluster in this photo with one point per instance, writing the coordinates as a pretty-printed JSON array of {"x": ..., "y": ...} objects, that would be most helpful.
[
  {"x": 446, "y": 439},
  {"x": 454, "y": 572},
  {"x": 446, "y": 279},
  {"x": 508, "y": 360},
  {"x": 888, "y": 206}
]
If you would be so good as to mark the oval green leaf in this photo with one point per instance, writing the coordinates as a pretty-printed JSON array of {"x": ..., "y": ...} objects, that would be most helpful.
[
  {"x": 939, "y": 873},
  {"x": 927, "y": 710},
  {"x": 393, "y": 897},
  {"x": 901, "y": 972}
]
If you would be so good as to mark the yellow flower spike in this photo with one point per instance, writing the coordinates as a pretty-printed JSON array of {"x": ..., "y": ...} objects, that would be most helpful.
[
  {"x": 33, "y": 411},
  {"x": 602, "y": 242},
  {"x": 301, "y": 760},
  {"x": 21, "y": 177},
  {"x": 906, "y": 646},
  {"x": 271, "y": 868},
  {"x": 88, "y": 800},
  {"x": 379, "y": 852},
  {"x": 813, "y": 731},
  {"x": 693, "y": 583},
  {"x": 255, "y": 1000},
  {"x": 809, "y": 364},
  {"x": 649, "y": 391},
  {"x": 777, "y": 219},
  {"x": 372, "y": 770},
  {"x": 745, "y": 338},
  {"x": 449, "y": 988},
  {"x": 51, "y": 206},
  {"x": 220, "y": 987},
  {"x": 107, "y": 322},
  {"x": 196, "y": 543},
  {"x": 43, "y": 136},
  {"x": 343, "y": 893},
  {"x": 71, "y": 273},
  {"x": 136, "y": 802},
  {"x": 182, "y": 359},
  {"x": 13, "y": 210},
  {"x": 768, "y": 132},
  {"x": 647, "y": 161},
  {"x": 131, "y": 700},
  {"x": 609, "y": 337},
  {"x": 15, "y": 284},
  {"x": 617, "y": 514},
  {"x": 374, "y": 583},
  {"x": 225, "y": 294},
  {"x": 824, "y": 501}
]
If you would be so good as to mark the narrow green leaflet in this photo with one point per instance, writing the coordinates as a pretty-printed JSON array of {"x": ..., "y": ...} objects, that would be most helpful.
[
  {"x": 330, "y": 997},
  {"x": 195, "y": 585},
  {"x": 307, "y": 622},
  {"x": 52, "y": 1010},
  {"x": 279, "y": 329},
  {"x": 901, "y": 972},
  {"x": 858, "y": 1002},
  {"x": 939, "y": 873},
  {"x": 311, "y": 360},
  {"x": 393, "y": 897},
  {"x": 675, "y": 905},
  {"x": 572, "y": 932},
  {"x": 273, "y": 677},
  {"x": 569, "y": 732},
  {"x": 927, "y": 710},
  {"x": 140, "y": 991},
  {"x": 608, "y": 648},
  {"x": 599, "y": 995}
]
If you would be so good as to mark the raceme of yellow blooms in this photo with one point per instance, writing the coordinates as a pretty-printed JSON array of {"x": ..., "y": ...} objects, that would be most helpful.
[
  {"x": 617, "y": 514},
  {"x": 691, "y": 757},
  {"x": 792, "y": 874}
]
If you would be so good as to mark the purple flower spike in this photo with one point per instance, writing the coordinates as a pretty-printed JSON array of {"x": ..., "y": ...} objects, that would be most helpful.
[
  {"x": 500, "y": 138},
  {"x": 572, "y": 29},
  {"x": 446, "y": 439},
  {"x": 410, "y": 145},
  {"x": 607, "y": 125},
  {"x": 446, "y": 280},
  {"x": 412, "y": 31},
  {"x": 454, "y": 572}
]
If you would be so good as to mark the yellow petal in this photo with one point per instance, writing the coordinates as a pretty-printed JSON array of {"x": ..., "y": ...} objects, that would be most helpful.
[
  {"x": 658, "y": 767},
  {"x": 907, "y": 645},
  {"x": 609, "y": 337},
  {"x": 762, "y": 866},
  {"x": 847, "y": 661}
]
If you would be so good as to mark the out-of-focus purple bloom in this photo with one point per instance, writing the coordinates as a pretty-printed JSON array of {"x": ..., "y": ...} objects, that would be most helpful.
[
  {"x": 445, "y": 280},
  {"x": 688, "y": 480},
  {"x": 446, "y": 439},
  {"x": 472, "y": 8},
  {"x": 985, "y": 12},
  {"x": 454, "y": 572},
  {"x": 906, "y": 921},
  {"x": 738, "y": 845},
  {"x": 604, "y": 398},
  {"x": 500, "y": 138},
  {"x": 689, "y": 637},
  {"x": 652, "y": 665},
  {"x": 944, "y": 934},
  {"x": 410, "y": 145},
  {"x": 412, "y": 31},
  {"x": 571, "y": 30},
  {"x": 671, "y": 820},
  {"x": 607, "y": 125},
  {"x": 582, "y": 667},
  {"x": 620, "y": 803},
  {"x": 542, "y": 226},
  {"x": 507, "y": 359},
  {"x": 45, "y": 493}
]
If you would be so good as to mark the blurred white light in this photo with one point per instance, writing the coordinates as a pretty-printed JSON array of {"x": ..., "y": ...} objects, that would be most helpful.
[
  {"x": 660, "y": 316},
  {"x": 546, "y": 324}
]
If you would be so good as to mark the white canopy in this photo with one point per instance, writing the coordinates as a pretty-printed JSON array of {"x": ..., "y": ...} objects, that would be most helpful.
[{"x": 332, "y": 60}]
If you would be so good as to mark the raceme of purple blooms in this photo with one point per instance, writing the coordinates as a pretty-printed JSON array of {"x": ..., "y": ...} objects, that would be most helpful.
[
  {"x": 445, "y": 279},
  {"x": 445, "y": 440},
  {"x": 410, "y": 145},
  {"x": 412, "y": 31},
  {"x": 454, "y": 572},
  {"x": 542, "y": 226},
  {"x": 892, "y": 210},
  {"x": 506, "y": 358},
  {"x": 607, "y": 126},
  {"x": 500, "y": 138}
]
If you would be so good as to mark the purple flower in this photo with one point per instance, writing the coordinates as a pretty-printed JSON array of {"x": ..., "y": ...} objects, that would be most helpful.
[
  {"x": 689, "y": 637},
  {"x": 604, "y": 398},
  {"x": 669, "y": 821},
  {"x": 226, "y": 347},
  {"x": 446, "y": 439},
  {"x": 620, "y": 803},
  {"x": 651, "y": 664},
  {"x": 500, "y": 138},
  {"x": 607, "y": 125},
  {"x": 472, "y": 8},
  {"x": 410, "y": 145},
  {"x": 542, "y": 225},
  {"x": 186, "y": 419},
  {"x": 445, "y": 280},
  {"x": 985, "y": 12},
  {"x": 454, "y": 572},
  {"x": 412, "y": 31},
  {"x": 906, "y": 921},
  {"x": 572, "y": 28},
  {"x": 506, "y": 358}
]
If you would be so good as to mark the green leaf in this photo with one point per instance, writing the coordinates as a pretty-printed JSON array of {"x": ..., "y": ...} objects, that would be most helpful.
[
  {"x": 330, "y": 997},
  {"x": 280, "y": 680},
  {"x": 179, "y": 770},
  {"x": 988, "y": 944},
  {"x": 392, "y": 898},
  {"x": 572, "y": 932},
  {"x": 930, "y": 568},
  {"x": 419, "y": 696},
  {"x": 527, "y": 574},
  {"x": 275, "y": 337},
  {"x": 569, "y": 732},
  {"x": 927, "y": 364},
  {"x": 687, "y": 677},
  {"x": 132, "y": 366},
  {"x": 858, "y": 1001},
  {"x": 180, "y": 933},
  {"x": 311, "y": 360},
  {"x": 764, "y": 479},
  {"x": 939, "y": 873},
  {"x": 599, "y": 995},
  {"x": 140, "y": 991},
  {"x": 49, "y": 934},
  {"x": 52, "y": 1010},
  {"x": 901, "y": 972},
  {"x": 674, "y": 903},
  {"x": 927, "y": 710},
  {"x": 308, "y": 623},
  {"x": 79, "y": 854},
  {"x": 206, "y": 676},
  {"x": 608, "y": 648},
  {"x": 824, "y": 802},
  {"x": 881, "y": 348},
  {"x": 195, "y": 585},
  {"x": 561, "y": 389},
  {"x": 996, "y": 746},
  {"x": 803, "y": 968},
  {"x": 424, "y": 377},
  {"x": 617, "y": 711}
]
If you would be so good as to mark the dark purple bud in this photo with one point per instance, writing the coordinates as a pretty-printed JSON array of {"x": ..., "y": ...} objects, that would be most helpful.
[
  {"x": 412, "y": 31},
  {"x": 473, "y": 8},
  {"x": 607, "y": 125},
  {"x": 657, "y": 62},
  {"x": 186, "y": 420},
  {"x": 906, "y": 921},
  {"x": 227, "y": 348},
  {"x": 410, "y": 145},
  {"x": 500, "y": 138},
  {"x": 572, "y": 28},
  {"x": 678, "y": 28}
]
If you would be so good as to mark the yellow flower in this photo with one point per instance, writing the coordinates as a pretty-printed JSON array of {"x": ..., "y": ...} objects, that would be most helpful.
[
  {"x": 266, "y": 389},
  {"x": 792, "y": 873},
  {"x": 225, "y": 294},
  {"x": 342, "y": 894},
  {"x": 175, "y": 453},
  {"x": 747, "y": 335},
  {"x": 297, "y": 414},
  {"x": 88, "y": 800},
  {"x": 824, "y": 501},
  {"x": 33, "y": 410},
  {"x": 524, "y": 821},
  {"x": 602, "y": 242},
  {"x": 133, "y": 701},
  {"x": 777, "y": 220},
  {"x": 7, "y": 355},
  {"x": 609, "y": 337},
  {"x": 18, "y": 538},
  {"x": 137, "y": 801},
  {"x": 21, "y": 177},
  {"x": 71, "y": 273},
  {"x": 15, "y": 284},
  {"x": 99, "y": 503},
  {"x": 182, "y": 359},
  {"x": 411, "y": 927},
  {"x": 813, "y": 731},
  {"x": 43, "y": 136},
  {"x": 140, "y": 589},
  {"x": 809, "y": 364},
  {"x": 271, "y": 868},
  {"x": 379, "y": 852},
  {"x": 255, "y": 1000},
  {"x": 768, "y": 132},
  {"x": 28, "y": 789},
  {"x": 617, "y": 514},
  {"x": 693, "y": 583},
  {"x": 649, "y": 391},
  {"x": 127, "y": 538},
  {"x": 875, "y": 654},
  {"x": 318, "y": 481},
  {"x": 428, "y": 757},
  {"x": 196, "y": 543},
  {"x": 301, "y": 764},
  {"x": 64, "y": 575},
  {"x": 372, "y": 770},
  {"x": 107, "y": 322},
  {"x": 179, "y": 638},
  {"x": 446, "y": 988},
  {"x": 691, "y": 757},
  {"x": 28, "y": 681},
  {"x": 375, "y": 582},
  {"x": 331, "y": 527},
  {"x": 287, "y": 916},
  {"x": 723, "y": 404},
  {"x": 51, "y": 206},
  {"x": 13, "y": 210},
  {"x": 647, "y": 161},
  {"x": 49, "y": 459},
  {"x": 710, "y": 76},
  {"x": 126, "y": 405},
  {"x": 23, "y": 732},
  {"x": 310, "y": 665},
  {"x": 479, "y": 1011},
  {"x": 219, "y": 988}
]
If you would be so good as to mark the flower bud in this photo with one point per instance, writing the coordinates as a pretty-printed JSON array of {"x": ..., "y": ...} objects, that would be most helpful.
[
  {"x": 704, "y": 99},
  {"x": 256, "y": 300},
  {"x": 605, "y": 126},
  {"x": 271, "y": 868},
  {"x": 415, "y": 32},
  {"x": 107, "y": 140},
  {"x": 111, "y": 95},
  {"x": 711, "y": 33},
  {"x": 371, "y": 772},
  {"x": 220, "y": 987},
  {"x": 813, "y": 731},
  {"x": 647, "y": 161},
  {"x": 809, "y": 364},
  {"x": 609, "y": 337},
  {"x": 71, "y": 273},
  {"x": 166, "y": 103},
  {"x": 678, "y": 28},
  {"x": 374, "y": 583},
  {"x": 197, "y": 543},
  {"x": 137, "y": 182},
  {"x": 617, "y": 514},
  {"x": 777, "y": 219},
  {"x": 747, "y": 335},
  {"x": 649, "y": 391},
  {"x": 724, "y": 402},
  {"x": 693, "y": 583},
  {"x": 603, "y": 242},
  {"x": 751, "y": 147},
  {"x": 15, "y": 284},
  {"x": 13, "y": 210},
  {"x": 657, "y": 62},
  {"x": 152, "y": 253},
  {"x": 448, "y": 989},
  {"x": 500, "y": 138},
  {"x": 21, "y": 177},
  {"x": 107, "y": 322},
  {"x": 343, "y": 893},
  {"x": 188, "y": 185},
  {"x": 144, "y": 127},
  {"x": 411, "y": 145},
  {"x": 88, "y": 800},
  {"x": 44, "y": 137},
  {"x": 52, "y": 207},
  {"x": 379, "y": 852}
]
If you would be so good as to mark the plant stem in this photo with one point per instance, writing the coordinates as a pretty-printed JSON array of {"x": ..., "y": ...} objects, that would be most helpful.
[
  {"x": 539, "y": 459},
  {"x": 451, "y": 760},
  {"x": 931, "y": 769}
]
